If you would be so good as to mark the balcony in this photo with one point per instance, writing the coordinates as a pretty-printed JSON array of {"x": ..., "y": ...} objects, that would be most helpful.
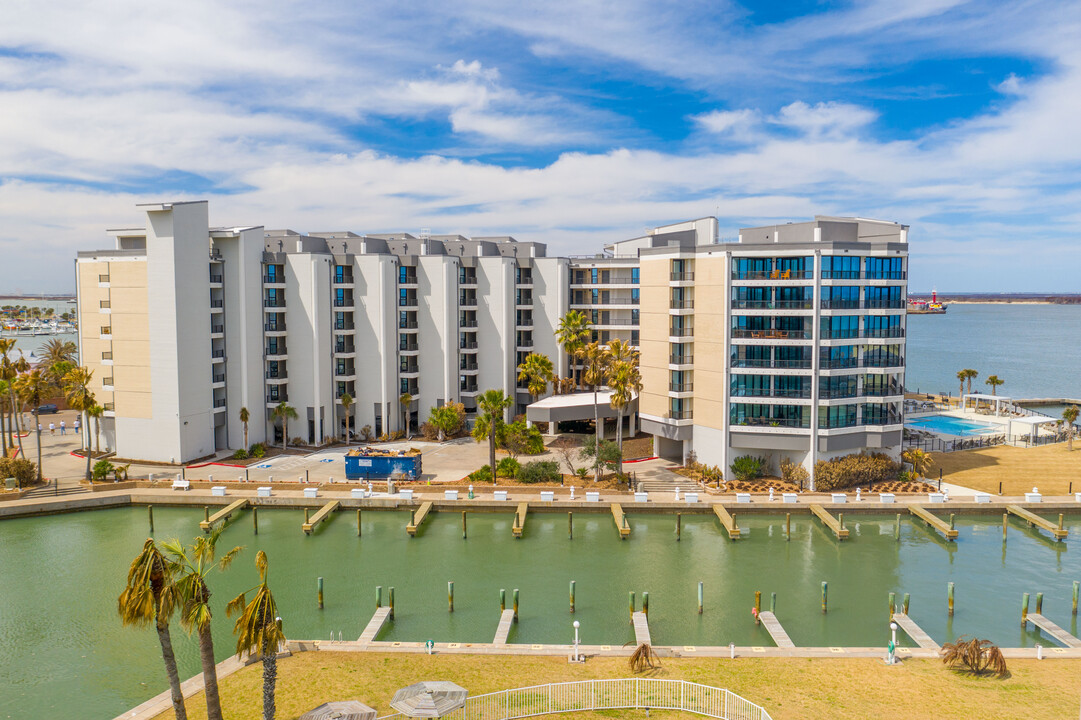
[
  {"x": 891, "y": 391},
  {"x": 828, "y": 304},
  {"x": 267, "y": 303},
  {"x": 346, "y": 372},
  {"x": 524, "y": 301},
  {"x": 886, "y": 362},
  {"x": 274, "y": 327},
  {"x": 467, "y": 389},
  {"x": 610, "y": 301},
  {"x": 217, "y": 303},
  {"x": 680, "y": 387},
  {"x": 217, "y": 353},
  {"x": 681, "y": 332},
  {"x": 777, "y": 364},
  {"x": 893, "y": 332},
  {"x": 345, "y": 349},
  {"x": 524, "y": 322},
  {"x": 680, "y": 276},
  {"x": 343, "y": 302},
  {"x": 218, "y": 378},
  {"x": 892, "y": 419},
  {"x": 219, "y": 403},
  {"x": 216, "y": 279},
  {"x": 275, "y": 399},
  {"x": 470, "y": 279},
  {"x": 839, "y": 363},
  {"x": 468, "y": 366},
  {"x": 467, "y": 346},
  {"x": 217, "y": 329},
  {"x": 407, "y": 279},
  {"x": 467, "y": 301},
  {"x": 773, "y": 305},
  {"x": 772, "y": 422},
  {"x": 467, "y": 323},
  {"x": 681, "y": 359},
  {"x": 343, "y": 279},
  {"x": 274, "y": 279},
  {"x": 679, "y": 414},
  {"x": 885, "y": 305},
  {"x": 773, "y": 275},
  {"x": 276, "y": 351},
  {"x": 681, "y": 305},
  {"x": 772, "y": 334},
  {"x": 407, "y": 302},
  {"x": 408, "y": 347},
  {"x": 405, "y": 325}
]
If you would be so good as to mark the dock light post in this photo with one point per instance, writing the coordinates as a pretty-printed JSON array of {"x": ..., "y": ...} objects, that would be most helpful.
[
  {"x": 576, "y": 657},
  {"x": 891, "y": 654}
]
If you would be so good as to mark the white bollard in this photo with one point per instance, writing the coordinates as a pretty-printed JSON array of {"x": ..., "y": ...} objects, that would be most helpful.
[
  {"x": 677, "y": 494},
  {"x": 210, "y": 478},
  {"x": 1039, "y": 651},
  {"x": 858, "y": 498},
  {"x": 572, "y": 492},
  {"x": 771, "y": 494},
  {"x": 332, "y": 482},
  {"x": 732, "y": 650}
]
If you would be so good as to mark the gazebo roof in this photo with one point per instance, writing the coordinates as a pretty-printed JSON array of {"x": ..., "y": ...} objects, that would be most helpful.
[
  {"x": 1034, "y": 420},
  {"x": 983, "y": 396}
]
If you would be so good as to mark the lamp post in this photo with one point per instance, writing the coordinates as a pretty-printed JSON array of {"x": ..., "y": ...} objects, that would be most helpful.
[
  {"x": 576, "y": 657},
  {"x": 891, "y": 657}
]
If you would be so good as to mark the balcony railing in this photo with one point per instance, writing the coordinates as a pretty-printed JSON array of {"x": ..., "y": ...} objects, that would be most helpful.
[
  {"x": 343, "y": 325},
  {"x": 619, "y": 322},
  {"x": 681, "y": 359},
  {"x": 681, "y": 332},
  {"x": 772, "y": 422},
  {"x": 523, "y": 300},
  {"x": 883, "y": 391},
  {"x": 219, "y": 378},
  {"x": 219, "y": 403},
  {"x": 344, "y": 371},
  {"x": 407, "y": 279},
  {"x": 524, "y": 344},
  {"x": 885, "y": 304},
  {"x": 404, "y": 325},
  {"x": 768, "y": 392},
  {"x": 274, "y": 327},
  {"x": 829, "y": 304},
  {"x": 680, "y": 387},
  {"x": 343, "y": 279},
  {"x": 272, "y": 351},
  {"x": 682, "y": 305},
  {"x": 772, "y": 305},
  {"x": 772, "y": 334},
  {"x": 276, "y": 375},
  {"x": 524, "y": 322},
  {"x": 467, "y": 388},
  {"x": 343, "y": 302},
  {"x": 678, "y": 414},
  {"x": 773, "y": 275},
  {"x": 621, "y": 280},
  {"x": 217, "y": 353},
  {"x": 109, "y": 407},
  {"x": 469, "y": 366},
  {"x": 886, "y": 362},
  {"x": 215, "y": 278},
  {"x": 345, "y": 348},
  {"x": 467, "y": 279},
  {"x": 781, "y": 364},
  {"x": 893, "y": 332},
  {"x": 835, "y": 423},
  {"x": 841, "y": 335},
  {"x": 408, "y": 347},
  {"x": 840, "y": 363},
  {"x": 278, "y": 303},
  {"x": 277, "y": 398},
  {"x": 217, "y": 303},
  {"x": 610, "y": 301},
  {"x": 892, "y": 419},
  {"x": 467, "y": 323},
  {"x": 467, "y": 302},
  {"x": 107, "y": 381},
  {"x": 837, "y": 394},
  {"x": 680, "y": 276},
  {"x": 217, "y": 328},
  {"x": 103, "y": 278},
  {"x": 407, "y": 302},
  {"x": 107, "y": 356},
  {"x": 857, "y": 275}
]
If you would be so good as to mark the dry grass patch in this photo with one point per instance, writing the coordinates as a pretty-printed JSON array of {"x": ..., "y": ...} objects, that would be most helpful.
[
  {"x": 789, "y": 688},
  {"x": 1051, "y": 468}
]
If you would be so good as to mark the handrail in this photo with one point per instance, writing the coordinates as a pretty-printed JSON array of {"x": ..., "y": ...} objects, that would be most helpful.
[{"x": 622, "y": 693}]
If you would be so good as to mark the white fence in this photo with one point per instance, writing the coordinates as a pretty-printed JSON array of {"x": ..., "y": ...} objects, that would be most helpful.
[{"x": 638, "y": 693}]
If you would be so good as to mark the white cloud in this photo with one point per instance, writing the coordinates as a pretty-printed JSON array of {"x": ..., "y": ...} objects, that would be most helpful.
[
  {"x": 824, "y": 118},
  {"x": 732, "y": 122}
]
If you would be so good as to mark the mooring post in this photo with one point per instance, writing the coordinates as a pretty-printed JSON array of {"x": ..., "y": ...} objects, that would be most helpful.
[
  {"x": 464, "y": 532},
  {"x": 150, "y": 516},
  {"x": 307, "y": 515},
  {"x": 378, "y": 596},
  {"x": 949, "y": 598},
  {"x": 999, "y": 487},
  {"x": 1060, "y": 521},
  {"x": 1005, "y": 524},
  {"x": 897, "y": 528},
  {"x": 358, "y": 522},
  {"x": 1076, "y": 588},
  {"x": 502, "y": 600},
  {"x": 952, "y": 516},
  {"x": 515, "y": 604},
  {"x": 773, "y": 602},
  {"x": 1024, "y": 610},
  {"x": 824, "y": 589},
  {"x": 255, "y": 520},
  {"x": 570, "y": 525},
  {"x": 700, "y": 598},
  {"x": 645, "y": 603},
  {"x": 787, "y": 526},
  {"x": 630, "y": 604},
  {"x": 390, "y": 599},
  {"x": 450, "y": 596},
  {"x": 893, "y": 607},
  {"x": 841, "y": 520},
  {"x": 319, "y": 591},
  {"x": 1039, "y": 603},
  {"x": 904, "y": 604},
  {"x": 679, "y": 524},
  {"x": 572, "y": 596},
  {"x": 757, "y": 606},
  {"x": 206, "y": 513}
]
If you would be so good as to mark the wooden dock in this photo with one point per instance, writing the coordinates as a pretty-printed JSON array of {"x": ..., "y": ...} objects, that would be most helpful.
[
  {"x": 506, "y": 619},
  {"x": 418, "y": 518},
  {"x": 934, "y": 521},
  {"x": 371, "y": 630},
  {"x": 206, "y": 525},
  {"x": 727, "y": 521},
  {"x": 829, "y": 521},
  {"x": 776, "y": 630},
  {"x": 915, "y": 632},
  {"x": 519, "y": 519},
  {"x": 1034, "y": 520},
  {"x": 323, "y": 513},
  {"x": 1061, "y": 636},
  {"x": 621, "y": 521},
  {"x": 641, "y": 629}
]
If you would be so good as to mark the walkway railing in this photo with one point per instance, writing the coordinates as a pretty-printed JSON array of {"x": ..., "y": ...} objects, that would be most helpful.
[{"x": 637, "y": 693}]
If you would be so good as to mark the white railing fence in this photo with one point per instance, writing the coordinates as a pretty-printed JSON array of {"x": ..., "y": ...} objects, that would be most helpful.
[{"x": 637, "y": 693}]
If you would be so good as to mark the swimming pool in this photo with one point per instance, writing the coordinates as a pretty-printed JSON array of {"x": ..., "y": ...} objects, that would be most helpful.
[{"x": 948, "y": 425}]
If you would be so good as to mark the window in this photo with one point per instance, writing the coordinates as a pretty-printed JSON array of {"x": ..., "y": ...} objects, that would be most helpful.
[
  {"x": 750, "y": 356},
  {"x": 795, "y": 297},
  {"x": 752, "y": 268},
  {"x": 844, "y": 356},
  {"x": 635, "y": 274},
  {"x": 841, "y": 327},
  {"x": 636, "y": 296},
  {"x": 840, "y": 386},
  {"x": 891, "y": 268},
  {"x": 840, "y": 267},
  {"x": 795, "y": 267},
  {"x": 106, "y": 330},
  {"x": 593, "y": 276},
  {"x": 837, "y": 416},
  {"x": 846, "y": 297},
  {"x": 879, "y": 414},
  {"x": 792, "y": 357},
  {"x": 885, "y": 297},
  {"x": 751, "y": 297},
  {"x": 634, "y": 337},
  {"x": 750, "y": 385},
  {"x": 634, "y": 316},
  {"x": 749, "y": 414},
  {"x": 791, "y": 386},
  {"x": 103, "y": 304},
  {"x": 883, "y": 326},
  {"x": 407, "y": 274}
]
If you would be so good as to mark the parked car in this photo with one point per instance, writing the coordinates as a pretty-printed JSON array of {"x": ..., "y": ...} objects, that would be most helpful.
[{"x": 46, "y": 409}]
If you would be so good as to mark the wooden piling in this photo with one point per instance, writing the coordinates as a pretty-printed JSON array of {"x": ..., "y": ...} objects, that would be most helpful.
[
  {"x": 630, "y": 604},
  {"x": 700, "y": 598},
  {"x": 572, "y": 596},
  {"x": 570, "y": 526},
  {"x": 787, "y": 526},
  {"x": 1005, "y": 522},
  {"x": 307, "y": 518},
  {"x": 824, "y": 589},
  {"x": 206, "y": 513},
  {"x": 150, "y": 516},
  {"x": 679, "y": 525},
  {"x": 757, "y": 606},
  {"x": 358, "y": 522},
  {"x": 773, "y": 602},
  {"x": 645, "y": 603},
  {"x": 893, "y": 605},
  {"x": 897, "y": 528},
  {"x": 1039, "y": 603},
  {"x": 378, "y": 596},
  {"x": 515, "y": 598},
  {"x": 1076, "y": 588},
  {"x": 949, "y": 598},
  {"x": 319, "y": 591},
  {"x": 1024, "y": 609},
  {"x": 450, "y": 596},
  {"x": 502, "y": 599},
  {"x": 465, "y": 533},
  {"x": 952, "y": 526},
  {"x": 255, "y": 520},
  {"x": 390, "y": 599},
  {"x": 904, "y": 604}
]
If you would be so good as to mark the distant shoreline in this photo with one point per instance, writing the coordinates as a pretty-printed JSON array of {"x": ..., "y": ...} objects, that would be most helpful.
[{"x": 1001, "y": 298}]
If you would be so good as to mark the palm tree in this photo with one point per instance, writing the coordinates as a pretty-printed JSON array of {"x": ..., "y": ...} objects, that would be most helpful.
[
  {"x": 34, "y": 388},
  {"x": 1069, "y": 416},
  {"x": 572, "y": 334},
  {"x": 257, "y": 630},
  {"x": 921, "y": 462},
  {"x": 536, "y": 371},
  {"x": 190, "y": 566},
  {"x": 444, "y": 419},
  {"x": 961, "y": 375},
  {"x": 283, "y": 412},
  {"x": 347, "y": 402},
  {"x": 405, "y": 399},
  {"x": 971, "y": 375},
  {"x": 150, "y": 595},
  {"x": 625, "y": 379},
  {"x": 78, "y": 395},
  {"x": 597, "y": 361},
  {"x": 245, "y": 416},
  {"x": 9, "y": 370},
  {"x": 96, "y": 411},
  {"x": 57, "y": 350},
  {"x": 492, "y": 405},
  {"x": 994, "y": 382}
]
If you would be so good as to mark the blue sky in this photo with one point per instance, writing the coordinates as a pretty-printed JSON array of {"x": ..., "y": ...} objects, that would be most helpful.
[{"x": 574, "y": 123}]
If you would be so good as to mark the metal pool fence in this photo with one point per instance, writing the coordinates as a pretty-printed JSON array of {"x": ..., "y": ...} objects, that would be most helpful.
[{"x": 626, "y": 693}]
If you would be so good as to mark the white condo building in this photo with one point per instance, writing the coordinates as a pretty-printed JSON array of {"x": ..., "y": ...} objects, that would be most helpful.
[{"x": 790, "y": 341}]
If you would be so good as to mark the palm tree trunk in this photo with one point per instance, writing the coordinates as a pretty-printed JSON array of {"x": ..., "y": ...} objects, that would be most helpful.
[
  {"x": 619, "y": 440},
  {"x": 270, "y": 680},
  {"x": 597, "y": 438},
  {"x": 285, "y": 433},
  {"x": 97, "y": 435},
  {"x": 245, "y": 436},
  {"x": 85, "y": 418},
  {"x": 210, "y": 674},
  {"x": 3, "y": 432},
  {"x": 39, "y": 451},
  {"x": 177, "y": 695},
  {"x": 491, "y": 448},
  {"x": 18, "y": 424}
]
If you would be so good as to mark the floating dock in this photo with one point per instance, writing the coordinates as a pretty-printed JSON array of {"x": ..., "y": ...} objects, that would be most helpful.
[
  {"x": 621, "y": 521},
  {"x": 829, "y": 521},
  {"x": 323, "y": 514},
  {"x": 934, "y": 521},
  {"x": 915, "y": 632},
  {"x": 519, "y": 519},
  {"x": 1061, "y": 636},
  {"x": 776, "y": 630},
  {"x": 1057, "y": 531},
  {"x": 641, "y": 629},
  {"x": 418, "y": 518},
  {"x": 727, "y": 521},
  {"x": 371, "y": 630},
  {"x": 502, "y": 631},
  {"x": 223, "y": 514}
]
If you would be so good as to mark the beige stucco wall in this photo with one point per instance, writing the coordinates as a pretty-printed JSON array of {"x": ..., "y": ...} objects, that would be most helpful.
[
  {"x": 653, "y": 327},
  {"x": 710, "y": 330}
]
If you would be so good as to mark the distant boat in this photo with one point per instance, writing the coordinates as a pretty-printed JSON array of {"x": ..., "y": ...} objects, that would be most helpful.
[{"x": 927, "y": 307}]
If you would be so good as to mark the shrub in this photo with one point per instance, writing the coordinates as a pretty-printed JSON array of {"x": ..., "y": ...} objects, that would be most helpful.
[
  {"x": 240, "y": 454},
  {"x": 257, "y": 450},
  {"x": 748, "y": 467},
  {"x": 540, "y": 471},
  {"x": 521, "y": 440},
  {"x": 101, "y": 470},
  {"x": 976, "y": 656},
  {"x": 483, "y": 475},
  {"x": 24, "y": 471},
  {"x": 508, "y": 467},
  {"x": 793, "y": 472},
  {"x": 605, "y": 454},
  {"x": 852, "y": 470},
  {"x": 366, "y": 433},
  {"x": 298, "y": 441}
]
